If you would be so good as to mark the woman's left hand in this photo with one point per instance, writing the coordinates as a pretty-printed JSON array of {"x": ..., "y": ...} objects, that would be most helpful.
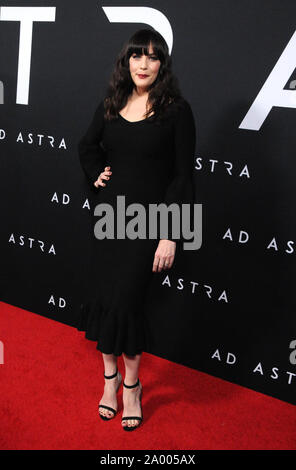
[{"x": 164, "y": 255}]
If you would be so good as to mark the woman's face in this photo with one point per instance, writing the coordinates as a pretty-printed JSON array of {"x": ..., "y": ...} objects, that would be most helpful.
[{"x": 144, "y": 69}]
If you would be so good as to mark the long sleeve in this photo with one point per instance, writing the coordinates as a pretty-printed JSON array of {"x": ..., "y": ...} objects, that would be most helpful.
[
  {"x": 91, "y": 154},
  {"x": 181, "y": 187}
]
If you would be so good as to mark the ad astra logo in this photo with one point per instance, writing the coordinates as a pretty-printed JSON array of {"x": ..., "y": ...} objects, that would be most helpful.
[
  {"x": 231, "y": 360},
  {"x": 59, "y": 302},
  {"x": 271, "y": 94},
  {"x": 65, "y": 200},
  {"x": 28, "y": 15},
  {"x": 208, "y": 290},
  {"x": 272, "y": 245},
  {"x": 38, "y": 139},
  {"x": 136, "y": 228},
  {"x": 29, "y": 242},
  {"x": 228, "y": 166}
]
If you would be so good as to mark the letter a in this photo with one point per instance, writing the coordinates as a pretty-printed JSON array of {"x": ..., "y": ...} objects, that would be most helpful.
[{"x": 272, "y": 92}]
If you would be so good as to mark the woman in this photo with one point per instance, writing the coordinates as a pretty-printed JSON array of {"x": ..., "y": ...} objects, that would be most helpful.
[{"x": 140, "y": 144}]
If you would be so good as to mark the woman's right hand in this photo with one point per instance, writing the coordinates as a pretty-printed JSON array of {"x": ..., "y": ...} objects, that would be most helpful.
[{"x": 103, "y": 176}]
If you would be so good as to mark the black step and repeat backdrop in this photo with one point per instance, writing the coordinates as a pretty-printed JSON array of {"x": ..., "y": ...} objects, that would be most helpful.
[{"x": 227, "y": 309}]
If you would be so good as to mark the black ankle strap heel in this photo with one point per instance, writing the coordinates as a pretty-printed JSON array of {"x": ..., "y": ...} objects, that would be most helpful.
[
  {"x": 106, "y": 418},
  {"x": 139, "y": 418},
  {"x": 132, "y": 386},
  {"x": 111, "y": 376}
]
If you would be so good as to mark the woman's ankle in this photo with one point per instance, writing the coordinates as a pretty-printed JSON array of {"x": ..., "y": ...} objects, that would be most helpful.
[
  {"x": 130, "y": 381},
  {"x": 109, "y": 371}
]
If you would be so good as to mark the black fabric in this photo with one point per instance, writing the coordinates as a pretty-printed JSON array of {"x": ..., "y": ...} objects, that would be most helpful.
[{"x": 150, "y": 163}]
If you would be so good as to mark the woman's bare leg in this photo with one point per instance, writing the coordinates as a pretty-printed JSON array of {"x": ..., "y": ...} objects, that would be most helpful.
[
  {"x": 109, "y": 397},
  {"x": 131, "y": 401}
]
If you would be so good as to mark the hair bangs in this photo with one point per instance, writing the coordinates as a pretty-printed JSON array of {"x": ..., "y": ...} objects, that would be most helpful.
[{"x": 139, "y": 44}]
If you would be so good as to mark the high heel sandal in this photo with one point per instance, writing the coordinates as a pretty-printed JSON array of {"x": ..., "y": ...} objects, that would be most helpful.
[
  {"x": 106, "y": 418},
  {"x": 131, "y": 428}
]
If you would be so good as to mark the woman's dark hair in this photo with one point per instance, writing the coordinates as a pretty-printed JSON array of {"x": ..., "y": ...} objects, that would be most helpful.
[{"x": 163, "y": 90}]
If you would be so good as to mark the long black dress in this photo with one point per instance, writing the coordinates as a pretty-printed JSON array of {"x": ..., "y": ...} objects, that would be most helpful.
[{"x": 151, "y": 162}]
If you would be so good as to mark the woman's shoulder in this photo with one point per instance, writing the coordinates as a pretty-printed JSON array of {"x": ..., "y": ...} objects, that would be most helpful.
[
  {"x": 180, "y": 106},
  {"x": 99, "y": 109},
  {"x": 180, "y": 103}
]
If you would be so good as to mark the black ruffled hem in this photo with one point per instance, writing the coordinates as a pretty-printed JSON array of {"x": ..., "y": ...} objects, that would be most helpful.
[{"x": 115, "y": 331}]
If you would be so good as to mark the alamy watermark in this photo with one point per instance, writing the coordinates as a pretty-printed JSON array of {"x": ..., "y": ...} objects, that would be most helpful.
[
  {"x": 136, "y": 227},
  {"x": 292, "y": 357}
]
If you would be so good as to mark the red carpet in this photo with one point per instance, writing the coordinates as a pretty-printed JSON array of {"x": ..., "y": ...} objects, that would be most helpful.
[{"x": 52, "y": 379}]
